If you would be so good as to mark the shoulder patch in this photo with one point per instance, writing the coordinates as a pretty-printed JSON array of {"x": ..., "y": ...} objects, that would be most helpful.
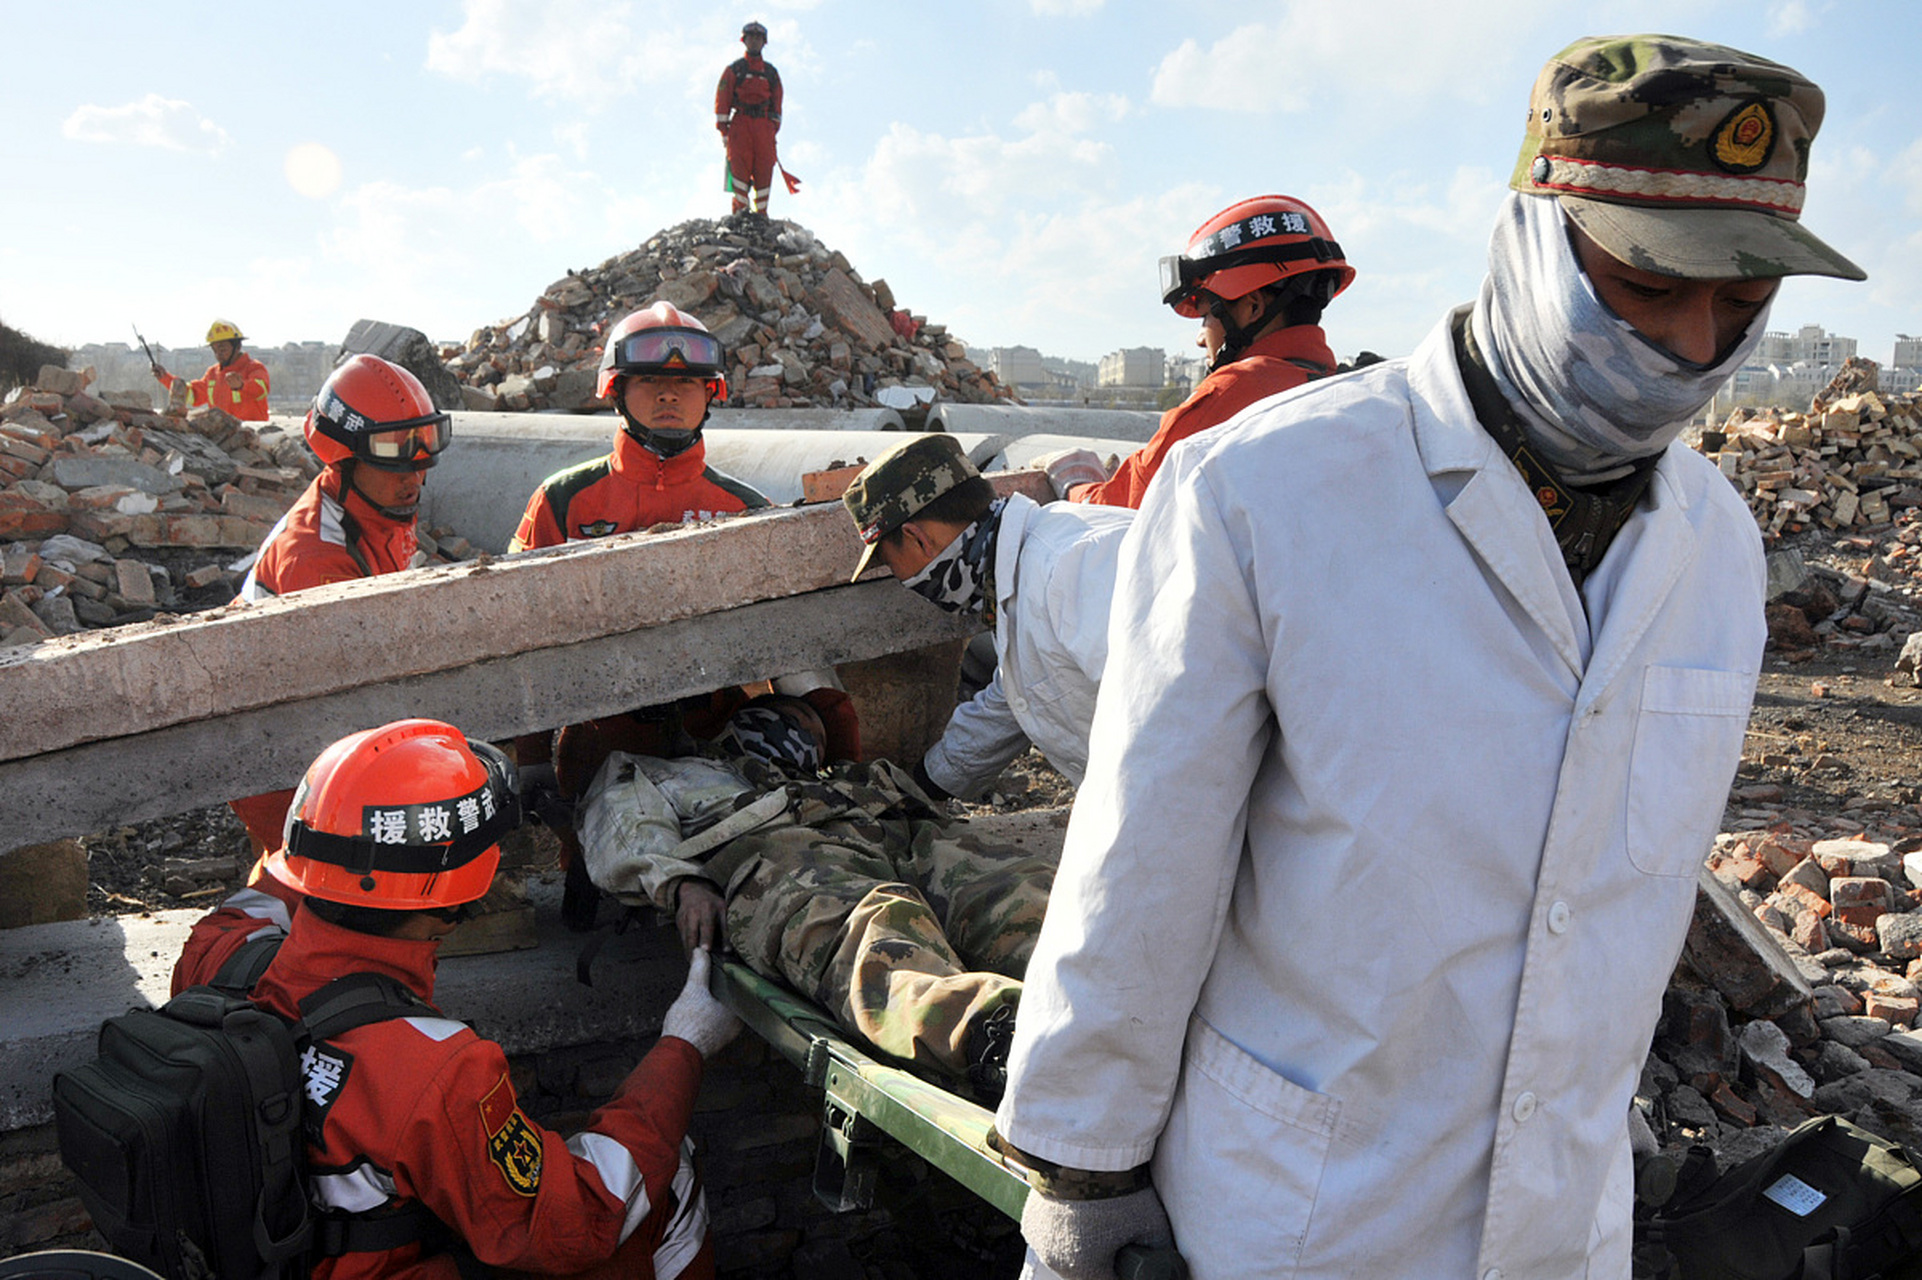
[
  {"x": 513, "y": 1144},
  {"x": 324, "y": 1070}
]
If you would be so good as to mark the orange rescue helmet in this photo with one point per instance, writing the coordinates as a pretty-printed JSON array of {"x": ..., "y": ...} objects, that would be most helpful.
[
  {"x": 1251, "y": 244},
  {"x": 663, "y": 341},
  {"x": 374, "y": 411},
  {"x": 406, "y": 817}
]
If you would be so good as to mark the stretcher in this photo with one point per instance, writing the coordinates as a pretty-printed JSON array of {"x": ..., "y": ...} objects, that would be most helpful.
[{"x": 866, "y": 1101}]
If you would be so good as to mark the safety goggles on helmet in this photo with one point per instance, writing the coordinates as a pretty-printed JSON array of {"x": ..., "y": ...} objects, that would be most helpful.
[
  {"x": 420, "y": 838},
  {"x": 666, "y": 350},
  {"x": 1183, "y": 275},
  {"x": 402, "y": 445}
]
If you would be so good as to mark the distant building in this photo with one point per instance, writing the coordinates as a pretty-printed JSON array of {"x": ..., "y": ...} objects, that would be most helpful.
[
  {"x": 1786, "y": 370},
  {"x": 1132, "y": 367},
  {"x": 1017, "y": 366}
]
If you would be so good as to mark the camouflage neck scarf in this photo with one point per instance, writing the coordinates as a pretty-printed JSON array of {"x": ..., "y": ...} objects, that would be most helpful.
[
  {"x": 1593, "y": 394},
  {"x": 960, "y": 578}
]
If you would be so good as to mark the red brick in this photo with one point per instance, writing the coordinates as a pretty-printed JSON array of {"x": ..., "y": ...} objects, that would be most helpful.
[
  {"x": 1861, "y": 899},
  {"x": 1899, "y": 1010}
]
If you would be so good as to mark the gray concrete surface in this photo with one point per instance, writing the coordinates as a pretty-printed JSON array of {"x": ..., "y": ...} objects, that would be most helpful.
[
  {"x": 1025, "y": 420},
  {"x": 59, "y": 982}
]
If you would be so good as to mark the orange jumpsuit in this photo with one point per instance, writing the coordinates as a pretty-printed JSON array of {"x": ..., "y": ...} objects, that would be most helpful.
[
  {"x": 323, "y": 538},
  {"x": 1275, "y": 362},
  {"x": 421, "y": 1109},
  {"x": 747, "y": 111},
  {"x": 249, "y": 403},
  {"x": 265, "y": 904},
  {"x": 631, "y": 488}
]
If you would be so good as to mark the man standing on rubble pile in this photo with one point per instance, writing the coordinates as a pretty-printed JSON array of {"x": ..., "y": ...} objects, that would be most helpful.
[
  {"x": 1477, "y": 684},
  {"x": 1258, "y": 276},
  {"x": 416, "y": 1136},
  {"x": 235, "y": 383},
  {"x": 375, "y": 431},
  {"x": 837, "y": 878},
  {"x": 747, "y": 112},
  {"x": 1041, "y": 576}
]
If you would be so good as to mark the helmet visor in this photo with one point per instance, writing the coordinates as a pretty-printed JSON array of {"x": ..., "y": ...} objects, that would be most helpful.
[
  {"x": 417, "y": 441},
  {"x": 665, "y": 349}
]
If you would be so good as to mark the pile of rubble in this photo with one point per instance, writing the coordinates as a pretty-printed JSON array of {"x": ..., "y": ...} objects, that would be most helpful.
[
  {"x": 1851, "y": 461},
  {"x": 800, "y": 326},
  {"x": 1807, "y": 1007},
  {"x": 112, "y": 512}
]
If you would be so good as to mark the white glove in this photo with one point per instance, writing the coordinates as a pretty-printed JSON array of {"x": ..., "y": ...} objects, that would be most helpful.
[
  {"x": 696, "y": 1016},
  {"x": 1069, "y": 467},
  {"x": 1078, "y": 1239}
]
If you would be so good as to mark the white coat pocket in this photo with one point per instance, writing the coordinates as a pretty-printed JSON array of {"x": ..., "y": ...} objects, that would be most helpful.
[
  {"x": 1688, "y": 738},
  {"x": 1240, "y": 1162}
]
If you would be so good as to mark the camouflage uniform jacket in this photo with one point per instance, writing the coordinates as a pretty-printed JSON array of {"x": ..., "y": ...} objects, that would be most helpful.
[{"x": 647, "y": 822}]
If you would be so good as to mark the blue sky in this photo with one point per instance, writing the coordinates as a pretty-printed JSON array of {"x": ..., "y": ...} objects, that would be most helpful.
[{"x": 1013, "y": 168}]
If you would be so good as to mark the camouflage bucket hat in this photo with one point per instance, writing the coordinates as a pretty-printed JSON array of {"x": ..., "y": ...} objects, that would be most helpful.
[
  {"x": 1679, "y": 157},
  {"x": 899, "y": 483}
]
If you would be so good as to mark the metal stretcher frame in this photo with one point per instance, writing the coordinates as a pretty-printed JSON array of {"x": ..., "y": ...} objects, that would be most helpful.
[{"x": 864, "y": 1098}]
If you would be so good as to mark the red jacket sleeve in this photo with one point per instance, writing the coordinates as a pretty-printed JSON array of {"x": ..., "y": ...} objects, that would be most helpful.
[
  {"x": 537, "y": 527},
  {"x": 520, "y": 1195}
]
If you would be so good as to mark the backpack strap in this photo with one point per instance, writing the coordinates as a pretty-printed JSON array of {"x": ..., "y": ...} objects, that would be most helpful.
[
  {"x": 250, "y": 959},
  {"x": 357, "y": 1000}
]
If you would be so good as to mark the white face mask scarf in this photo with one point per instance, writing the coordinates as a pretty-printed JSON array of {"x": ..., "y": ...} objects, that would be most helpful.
[
  {"x": 1591, "y": 391},
  {"x": 957, "y": 578}
]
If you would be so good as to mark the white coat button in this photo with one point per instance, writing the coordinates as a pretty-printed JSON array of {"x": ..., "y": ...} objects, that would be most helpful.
[
  {"x": 1525, "y": 1108},
  {"x": 1493, "y": 1273},
  {"x": 1558, "y": 914}
]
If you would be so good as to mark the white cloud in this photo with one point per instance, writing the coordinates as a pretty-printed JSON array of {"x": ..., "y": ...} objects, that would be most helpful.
[
  {"x": 586, "y": 52},
  {"x": 153, "y": 121},
  {"x": 1790, "y": 17},
  {"x": 1073, "y": 113},
  {"x": 1391, "y": 51}
]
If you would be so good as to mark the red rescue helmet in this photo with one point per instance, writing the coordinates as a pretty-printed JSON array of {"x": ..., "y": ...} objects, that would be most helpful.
[
  {"x": 376, "y": 412},
  {"x": 406, "y": 817},
  {"x": 1250, "y": 244},
  {"x": 663, "y": 341}
]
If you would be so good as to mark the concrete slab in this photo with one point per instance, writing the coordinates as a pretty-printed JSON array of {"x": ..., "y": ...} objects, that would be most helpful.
[
  {"x": 59, "y": 982},
  {"x": 1023, "y": 451},
  {"x": 1026, "y": 420}
]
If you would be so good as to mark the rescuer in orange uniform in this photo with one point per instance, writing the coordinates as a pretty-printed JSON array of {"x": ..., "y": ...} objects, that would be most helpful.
[
  {"x": 662, "y": 369},
  {"x": 747, "y": 111},
  {"x": 1257, "y": 275},
  {"x": 376, "y": 431},
  {"x": 396, "y": 832},
  {"x": 235, "y": 383}
]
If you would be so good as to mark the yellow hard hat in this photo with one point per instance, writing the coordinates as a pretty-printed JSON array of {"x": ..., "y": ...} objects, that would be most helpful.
[{"x": 223, "y": 331}]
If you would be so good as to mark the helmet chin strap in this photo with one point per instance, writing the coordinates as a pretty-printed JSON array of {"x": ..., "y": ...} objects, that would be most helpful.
[
  {"x": 1235, "y": 338},
  {"x": 649, "y": 439},
  {"x": 400, "y": 515}
]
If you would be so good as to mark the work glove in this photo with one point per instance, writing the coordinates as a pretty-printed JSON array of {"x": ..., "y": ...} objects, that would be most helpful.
[
  {"x": 1078, "y": 1239},
  {"x": 933, "y": 789},
  {"x": 160, "y": 374},
  {"x": 696, "y": 1016},
  {"x": 1067, "y": 468},
  {"x": 541, "y": 798}
]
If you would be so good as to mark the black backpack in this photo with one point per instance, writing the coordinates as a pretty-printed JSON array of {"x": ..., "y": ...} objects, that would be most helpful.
[
  {"x": 186, "y": 1133},
  {"x": 1832, "y": 1202}
]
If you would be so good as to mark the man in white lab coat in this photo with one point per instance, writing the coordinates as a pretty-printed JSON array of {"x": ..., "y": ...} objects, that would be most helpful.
[
  {"x": 1040, "y": 576},
  {"x": 1424, "y": 692}
]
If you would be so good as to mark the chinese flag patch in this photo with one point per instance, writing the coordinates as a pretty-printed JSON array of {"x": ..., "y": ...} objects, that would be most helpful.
[{"x": 513, "y": 1144}]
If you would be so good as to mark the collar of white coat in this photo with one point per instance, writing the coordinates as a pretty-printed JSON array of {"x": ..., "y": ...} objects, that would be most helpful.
[{"x": 1015, "y": 516}]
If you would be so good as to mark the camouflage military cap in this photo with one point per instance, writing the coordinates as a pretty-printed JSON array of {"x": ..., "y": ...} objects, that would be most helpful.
[
  {"x": 1679, "y": 157},
  {"x": 899, "y": 483}
]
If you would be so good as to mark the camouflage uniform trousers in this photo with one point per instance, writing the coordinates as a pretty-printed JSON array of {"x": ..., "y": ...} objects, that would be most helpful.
[{"x": 907, "y": 929}]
